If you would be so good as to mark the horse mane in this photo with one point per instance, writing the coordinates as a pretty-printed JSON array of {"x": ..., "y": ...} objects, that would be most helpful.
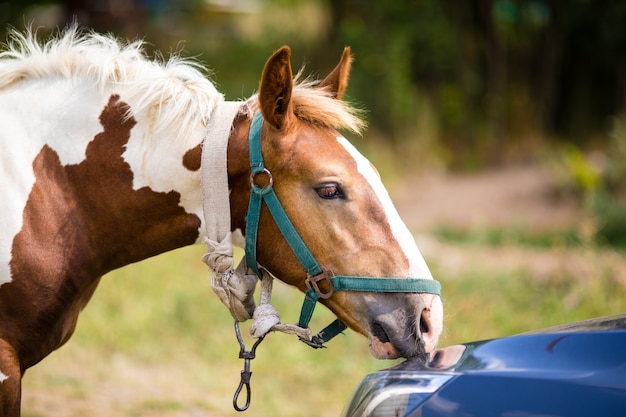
[{"x": 181, "y": 84}]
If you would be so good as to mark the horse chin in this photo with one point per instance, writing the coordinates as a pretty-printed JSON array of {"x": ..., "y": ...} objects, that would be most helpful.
[
  {"x": 382, "y": 350},
  {"x": 383, "y": 345},
  {"x": 387, "y": 350}
]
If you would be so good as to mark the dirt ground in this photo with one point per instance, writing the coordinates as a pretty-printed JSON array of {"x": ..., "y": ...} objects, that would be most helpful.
[
  {"x": 514, "y": 196},
  {"x": 517, "y": 195}
]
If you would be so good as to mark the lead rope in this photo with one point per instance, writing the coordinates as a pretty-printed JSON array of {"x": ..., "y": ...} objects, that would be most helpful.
[
  {"x": 235, "y": 288},
  {"x": 266, "y": 317}
]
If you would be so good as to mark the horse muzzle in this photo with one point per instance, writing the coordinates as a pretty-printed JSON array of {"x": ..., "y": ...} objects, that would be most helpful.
[{"x": 408, "y": 331}]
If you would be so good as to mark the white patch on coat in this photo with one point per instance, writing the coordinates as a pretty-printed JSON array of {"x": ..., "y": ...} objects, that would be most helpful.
[
  {"x": 3, "y": 377},
  {"x": 417, "y": 265},
  {"x": 156, "y": 162}
]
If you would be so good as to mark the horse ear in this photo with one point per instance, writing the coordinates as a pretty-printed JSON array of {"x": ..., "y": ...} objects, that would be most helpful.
[
  {"x": 275, "y": 88},
  {"x": 337, "y": 81}
]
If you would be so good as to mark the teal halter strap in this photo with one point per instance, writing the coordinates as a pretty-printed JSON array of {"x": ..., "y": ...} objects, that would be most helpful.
[
  {"x": 267, "y": 193},
  {"x": 315, "y": 273}
]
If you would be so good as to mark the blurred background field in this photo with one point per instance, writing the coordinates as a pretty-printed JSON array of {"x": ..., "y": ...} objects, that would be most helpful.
[
  {"x": 155, "y": 340},
  {"x": 499, "y": 128}
]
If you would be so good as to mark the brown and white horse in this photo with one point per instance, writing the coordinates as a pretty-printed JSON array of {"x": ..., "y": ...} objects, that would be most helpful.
[{"x": 101, "y": 167}]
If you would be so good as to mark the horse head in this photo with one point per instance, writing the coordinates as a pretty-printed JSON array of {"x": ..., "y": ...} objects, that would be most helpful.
[{"x": 337, "y": 203}]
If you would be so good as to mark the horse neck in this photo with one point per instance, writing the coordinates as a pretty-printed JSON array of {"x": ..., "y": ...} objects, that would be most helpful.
[
  {"x": 157, "y": 184},
  {"x": 239, "y": 171},
  {"x": 104, "y": 190}
]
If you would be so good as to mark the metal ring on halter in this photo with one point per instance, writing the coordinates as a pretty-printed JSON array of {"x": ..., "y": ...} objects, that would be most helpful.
[{"x": 269, "y": 175}]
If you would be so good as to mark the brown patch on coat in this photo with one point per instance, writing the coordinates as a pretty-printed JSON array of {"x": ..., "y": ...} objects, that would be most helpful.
[
  {"x": 192, "y": 160},
  {"x": 81, "y": 221}
]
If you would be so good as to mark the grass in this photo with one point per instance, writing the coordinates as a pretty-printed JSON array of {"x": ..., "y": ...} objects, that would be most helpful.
[
  {"x": 155, "y": 341},
  {"x": 483, "y": 304},
  {"x": 516, "y": 235}
]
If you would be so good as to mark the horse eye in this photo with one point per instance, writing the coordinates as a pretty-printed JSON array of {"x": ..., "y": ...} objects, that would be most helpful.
[{"x": 330, "y": 191}]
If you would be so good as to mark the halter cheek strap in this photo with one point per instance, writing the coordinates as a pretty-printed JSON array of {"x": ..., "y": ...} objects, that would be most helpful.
[{"x": 315, "y": 273}]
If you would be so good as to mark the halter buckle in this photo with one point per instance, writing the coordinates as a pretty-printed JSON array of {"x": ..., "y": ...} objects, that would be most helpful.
[{"x": 312, "y": 282}]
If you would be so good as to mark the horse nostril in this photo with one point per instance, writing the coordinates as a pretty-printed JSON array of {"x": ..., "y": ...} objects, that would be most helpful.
[
  {"x": 427, "y": 330},
  {"x": 424, "y": 323}
]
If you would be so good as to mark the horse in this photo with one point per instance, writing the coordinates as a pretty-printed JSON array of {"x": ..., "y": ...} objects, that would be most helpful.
[{"x": 102, "y": 166}]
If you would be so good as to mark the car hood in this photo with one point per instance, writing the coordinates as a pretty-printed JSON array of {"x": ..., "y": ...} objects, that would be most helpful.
[
  {"x": 582, "y": 348},
  {"x": 539, "y": 367}
]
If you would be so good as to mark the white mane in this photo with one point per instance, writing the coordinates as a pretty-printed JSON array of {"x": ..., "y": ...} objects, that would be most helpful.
[{"x": 176, "y": 88}]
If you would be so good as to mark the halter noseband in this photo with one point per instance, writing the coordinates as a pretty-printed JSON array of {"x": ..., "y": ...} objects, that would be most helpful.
[{"x": 315, "y": 273}]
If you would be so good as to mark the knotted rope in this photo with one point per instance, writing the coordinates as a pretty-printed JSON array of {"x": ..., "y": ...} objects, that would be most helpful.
[{"x": 266, "y": 317}]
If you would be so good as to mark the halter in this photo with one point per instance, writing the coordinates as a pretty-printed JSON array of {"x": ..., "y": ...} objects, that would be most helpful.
[{"x": 315, "y": 273}]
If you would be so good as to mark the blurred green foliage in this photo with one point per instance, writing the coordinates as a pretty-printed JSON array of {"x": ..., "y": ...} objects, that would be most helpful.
[
  {"x": 597, "y": 178},
  {"x": 476, "y": 82},
  {"x": 458, "y": 85}
]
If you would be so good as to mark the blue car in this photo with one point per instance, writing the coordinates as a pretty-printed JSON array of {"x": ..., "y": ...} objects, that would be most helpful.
[{"x": 577, "y": 369}]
